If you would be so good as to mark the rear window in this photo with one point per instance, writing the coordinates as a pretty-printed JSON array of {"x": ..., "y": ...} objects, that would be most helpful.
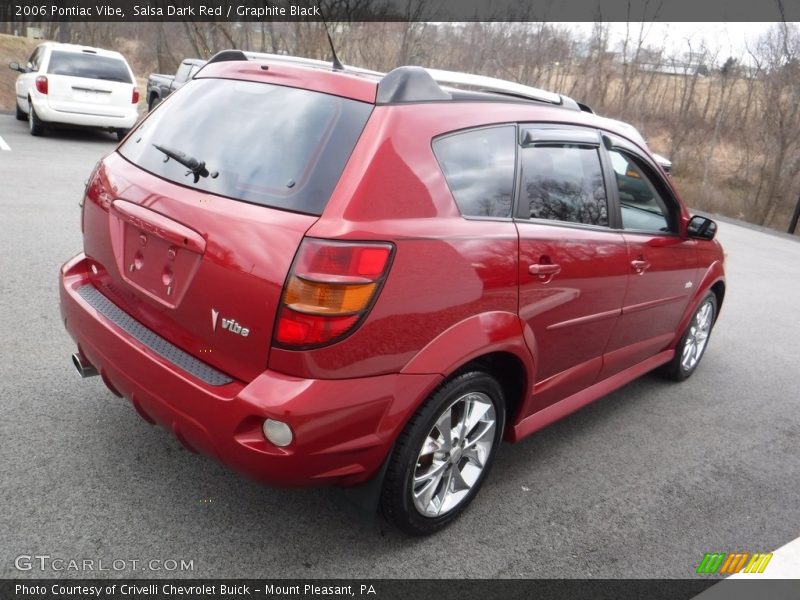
[
  {"x": 90, "y": 66},
  {"x": 261, "y": 143}
]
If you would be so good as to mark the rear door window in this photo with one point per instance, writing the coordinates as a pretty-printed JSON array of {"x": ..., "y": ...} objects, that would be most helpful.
[
  {"x": 89, "y": 66},
  {"x": 261, "y": 143},
  {"x": 563, "y": 182}
]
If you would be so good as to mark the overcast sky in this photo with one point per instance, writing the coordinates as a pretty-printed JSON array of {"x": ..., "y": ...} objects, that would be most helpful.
[{"x": 730, "y": 38}]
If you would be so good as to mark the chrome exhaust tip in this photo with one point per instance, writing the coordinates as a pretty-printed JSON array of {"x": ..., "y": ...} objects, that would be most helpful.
[{"x": 82, "y": 366}]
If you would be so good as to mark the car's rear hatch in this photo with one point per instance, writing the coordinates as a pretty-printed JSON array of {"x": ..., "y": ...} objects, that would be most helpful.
[
  {"x": 87, "y": 83},
  {"x": 201, "y": 257}
]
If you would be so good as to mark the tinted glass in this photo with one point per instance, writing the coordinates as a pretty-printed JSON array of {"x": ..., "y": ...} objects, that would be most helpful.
[
  {"x": 90, "y": 66},
  {"x": 278, "y": 146},
  {"x": 563, "y": 183},
  {"x": 35, "y": 60},
  {"x": 641, "y": 205},
  {"x": 479, "y": 168}
]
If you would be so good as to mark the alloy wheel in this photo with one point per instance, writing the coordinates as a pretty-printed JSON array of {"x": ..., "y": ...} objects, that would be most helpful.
[
  {"x": 454, "y": 454},
  {"x": 697, "y": 337}
]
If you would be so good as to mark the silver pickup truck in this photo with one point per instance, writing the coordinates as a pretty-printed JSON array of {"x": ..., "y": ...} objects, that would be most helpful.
[{"x": 160, "y": 86}]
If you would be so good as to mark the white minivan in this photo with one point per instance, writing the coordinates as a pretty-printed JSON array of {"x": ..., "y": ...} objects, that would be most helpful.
[{"x": 65, "y": 84}]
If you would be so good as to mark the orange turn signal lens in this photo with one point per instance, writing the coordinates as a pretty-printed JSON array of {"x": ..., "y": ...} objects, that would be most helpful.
[{"x": 317, "y": 297}]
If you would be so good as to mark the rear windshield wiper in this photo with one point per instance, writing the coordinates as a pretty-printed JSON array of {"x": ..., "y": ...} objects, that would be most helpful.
[{"x": 196, "y": 167}]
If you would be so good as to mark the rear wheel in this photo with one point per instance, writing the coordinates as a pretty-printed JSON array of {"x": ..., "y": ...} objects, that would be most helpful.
[
  {"x": 21, "y": 116},
  {"x": 444, "y": 454},
  {"x": 154, "y": 101},
  {"x": 34, "y": 124},
  {"x": 693, "y": 342},
  {"x": 121, "y": 133}
]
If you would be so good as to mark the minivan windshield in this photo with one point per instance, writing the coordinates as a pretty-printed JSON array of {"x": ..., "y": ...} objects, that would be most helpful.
[
  {"x": 89, "y": 66},
  {"x": 261, "y": 143}
]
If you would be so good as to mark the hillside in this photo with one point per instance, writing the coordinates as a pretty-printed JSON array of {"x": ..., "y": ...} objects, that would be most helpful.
[{"x": 12, "y": 48}]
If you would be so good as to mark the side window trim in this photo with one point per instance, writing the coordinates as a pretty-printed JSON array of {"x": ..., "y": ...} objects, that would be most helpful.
[
  {"x": 538, "y": 136},
  {"x": 560, "y": 134},
  {"x": 612, "y": 193},
  {"x": 612, "y": 142}
]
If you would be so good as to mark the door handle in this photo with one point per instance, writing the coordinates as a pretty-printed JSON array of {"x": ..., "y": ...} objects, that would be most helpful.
[
  {"x": 640, "y": 266},
  {"x": 544, "y": 269}
]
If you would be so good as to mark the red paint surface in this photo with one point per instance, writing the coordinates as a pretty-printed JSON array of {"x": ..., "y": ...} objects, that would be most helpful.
[{"x": 457, "y": 289}]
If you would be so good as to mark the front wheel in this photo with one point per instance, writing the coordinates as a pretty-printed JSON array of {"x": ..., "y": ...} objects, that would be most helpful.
[
  {"x": 21, "y": 116},
  {"x": 444, "y": 454},
  {"x": 693, "y": 343}
]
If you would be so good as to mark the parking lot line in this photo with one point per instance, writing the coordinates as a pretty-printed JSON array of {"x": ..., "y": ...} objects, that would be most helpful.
[{"x": 3, "y": 145}]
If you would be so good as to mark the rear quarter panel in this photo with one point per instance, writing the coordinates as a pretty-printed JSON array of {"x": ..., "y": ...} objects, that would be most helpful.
[{"x": 446, "y": 269}]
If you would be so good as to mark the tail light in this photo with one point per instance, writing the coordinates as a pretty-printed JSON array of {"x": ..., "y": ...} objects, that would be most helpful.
[
  {"x": 93, "y": 190},
  {"x": 330, "y": 289},
  {"x": 41, "y": 84},
  {"x": 135, "y": 97},
  {"x": 97, "y": 190}
]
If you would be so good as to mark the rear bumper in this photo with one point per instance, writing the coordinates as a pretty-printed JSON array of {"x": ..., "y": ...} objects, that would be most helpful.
[
  {"x": 50, "y": 115},
  {"x": 343, "y": 429}
]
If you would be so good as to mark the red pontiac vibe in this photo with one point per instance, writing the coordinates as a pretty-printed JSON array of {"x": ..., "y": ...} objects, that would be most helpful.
[{"x": 325, "y": 276}]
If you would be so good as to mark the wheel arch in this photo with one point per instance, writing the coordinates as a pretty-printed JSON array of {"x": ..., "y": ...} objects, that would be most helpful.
[
  {"x": 718, "y": 287},
  {"x": 713, "y": 281},
  {"x": 492, "y": 342},
  {"x": 510, "y": 372}
]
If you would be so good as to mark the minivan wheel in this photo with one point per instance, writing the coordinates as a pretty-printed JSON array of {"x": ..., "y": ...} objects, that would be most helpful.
[
  {"x": 21, "y": 116},
  {"x": 34, "y": 124},
  {"x": 444, "y": 454},
  {"x": 121, "y": 133},
  {"x": 693, "y": 343}
]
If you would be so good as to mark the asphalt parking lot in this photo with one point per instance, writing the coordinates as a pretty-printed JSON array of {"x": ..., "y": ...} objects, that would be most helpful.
[{"x": 640, "y": 484}]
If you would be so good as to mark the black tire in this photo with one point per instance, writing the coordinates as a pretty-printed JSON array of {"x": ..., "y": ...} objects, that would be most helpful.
[
  {"x": 154, "y": 101},
  {"x": 474, "y": 389},
  {"x": 680, "y": 367},
  {"x": 21, "y": 116},
  {"x": 121, "y": 133},
  {"x": 35, "y": 126}
]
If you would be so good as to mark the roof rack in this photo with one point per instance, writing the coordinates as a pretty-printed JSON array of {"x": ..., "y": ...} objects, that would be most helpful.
[{"x": 415, "y": 84}]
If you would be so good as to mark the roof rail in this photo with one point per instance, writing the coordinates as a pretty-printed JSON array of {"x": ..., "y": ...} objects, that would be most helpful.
[
  {"x": 226, "y": 55},
  {"x": 491, "y": 84},
  {"x": 417, "y": 84}
]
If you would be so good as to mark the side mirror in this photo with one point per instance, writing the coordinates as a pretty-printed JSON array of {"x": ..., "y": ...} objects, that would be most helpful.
[
  {"x": 701, "y": 228},
  {"x": 14, "y": 66}
]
